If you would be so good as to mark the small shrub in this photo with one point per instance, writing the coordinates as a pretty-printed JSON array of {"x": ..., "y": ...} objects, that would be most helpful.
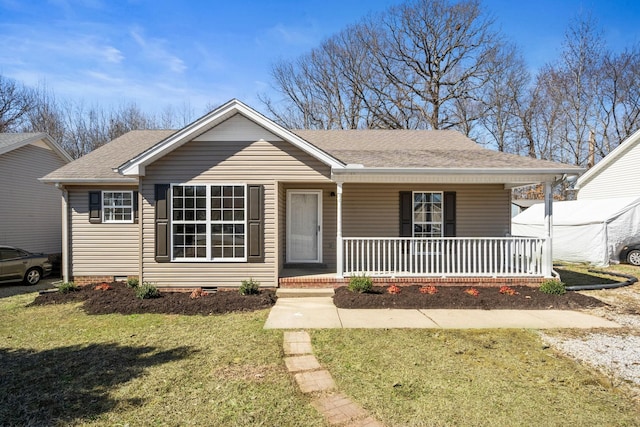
[
  {"x": 429, "y": 290},
  {"x": 197, "y": 293},
  {"x": 361, "y": 284},
  {"x": 249, "y": 287},
  {"x": 552, "y": 287},
  {"x": 146, "y": 291},
  {"x": 506, "y": 290},
  {"x": 472, "y": 291},
  {"x": 102, "y": 287},
  {"x": 133, "y": 282},
  {"x": 67, "y": 287},
  {"x": 393, "y": 289}
]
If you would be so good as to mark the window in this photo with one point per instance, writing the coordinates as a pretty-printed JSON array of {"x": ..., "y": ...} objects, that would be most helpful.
[
  {"x": 209, "y": 222},
  {"x": 427, "y": 214},
  {"x": 117, "y": 206}
]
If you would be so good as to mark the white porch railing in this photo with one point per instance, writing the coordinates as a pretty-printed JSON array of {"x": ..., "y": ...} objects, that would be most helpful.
[{"x": 454, "y": 256}]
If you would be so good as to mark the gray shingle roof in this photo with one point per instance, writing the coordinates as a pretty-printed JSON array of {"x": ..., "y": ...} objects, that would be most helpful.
[
  {"x": 10, "y": 139},
  {"x": 415, "y": 149},
  {"x": 99, "y": 163},
  {"x": 371, "y": 148}
]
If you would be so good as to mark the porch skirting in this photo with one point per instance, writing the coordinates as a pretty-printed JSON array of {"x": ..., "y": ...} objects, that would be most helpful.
[{"x": 334, "y": 282}]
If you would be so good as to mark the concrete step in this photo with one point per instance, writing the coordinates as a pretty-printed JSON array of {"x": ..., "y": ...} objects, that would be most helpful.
[{"x": 304, "y": 292}]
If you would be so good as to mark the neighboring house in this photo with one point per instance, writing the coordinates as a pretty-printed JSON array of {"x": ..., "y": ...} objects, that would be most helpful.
[
  {"x": 30, "y": 211},
  {"x": 616, "y": 175},
  {"x": 235, "y": 196}
]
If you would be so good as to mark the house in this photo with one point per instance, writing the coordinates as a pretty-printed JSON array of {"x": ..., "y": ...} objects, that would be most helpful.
[
  {"x": 616, "y": 175},
  {"x": 30, "y": 211},
  {"x": 234, "y": 196}
]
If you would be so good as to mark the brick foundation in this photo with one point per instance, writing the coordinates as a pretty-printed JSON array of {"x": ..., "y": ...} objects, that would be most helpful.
[
  {"x": 89, "y": 280},
  {"x": 332, "y": 282}
]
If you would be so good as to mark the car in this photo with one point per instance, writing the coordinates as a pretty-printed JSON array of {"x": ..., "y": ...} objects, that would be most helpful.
[
  {"x": 20, "y": 265},
  {"x": 631, "y": 254}
]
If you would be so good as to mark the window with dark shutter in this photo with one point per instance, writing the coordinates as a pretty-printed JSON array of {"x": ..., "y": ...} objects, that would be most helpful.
[
  {"x": 255, "y": 224},
  {"x": 427, "y": 214},
  {"x": 95, "y": 207},
  {"x": 162, "y": 223}
]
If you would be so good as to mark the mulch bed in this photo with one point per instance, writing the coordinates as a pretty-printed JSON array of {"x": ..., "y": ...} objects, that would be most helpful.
[
  {"x": 489, "y": 298},
  {"x": 121, "y": 299}
]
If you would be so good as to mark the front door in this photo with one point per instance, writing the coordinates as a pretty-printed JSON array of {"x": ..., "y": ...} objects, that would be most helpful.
[{"x": 304, "y": 220}]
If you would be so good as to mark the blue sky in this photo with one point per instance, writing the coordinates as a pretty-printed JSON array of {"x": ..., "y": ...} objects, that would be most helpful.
[{"x": 158, "y": 53}]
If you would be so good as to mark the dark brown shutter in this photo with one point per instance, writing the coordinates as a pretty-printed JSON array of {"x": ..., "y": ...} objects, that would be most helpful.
[
  {"x": 449, "y": 214},
  {"x": 95, "y": 207},
  {"x": 162, "y": 223},
  {"x": 255, "y": 231},
  {"x": 136, "y": 215},
  {"x": 406, "y": 214}
]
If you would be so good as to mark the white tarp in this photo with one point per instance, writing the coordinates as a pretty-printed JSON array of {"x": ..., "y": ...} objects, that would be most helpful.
[{"x": 592, "y": 231}]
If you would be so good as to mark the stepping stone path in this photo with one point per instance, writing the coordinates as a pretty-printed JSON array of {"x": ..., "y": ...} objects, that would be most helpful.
[{"x": 312, "y": 379}]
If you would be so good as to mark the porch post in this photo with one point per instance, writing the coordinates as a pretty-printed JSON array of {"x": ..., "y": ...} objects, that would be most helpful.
[
  {"x": 547, "y": 261},
  {"x": 339, "y": 248}
]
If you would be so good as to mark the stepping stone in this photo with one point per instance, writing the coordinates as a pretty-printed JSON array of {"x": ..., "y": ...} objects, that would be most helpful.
[
  {"x": 297, "y": 343},
  {"x": 338, "y": 408},
  {"x": 313, "y": 381},
  {"x": 302, "y": 363}
]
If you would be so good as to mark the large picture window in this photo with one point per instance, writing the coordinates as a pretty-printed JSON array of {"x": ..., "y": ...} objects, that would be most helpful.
[
  {"x": 117, "y": 206},
  {"x": 209, "y": 222},
  {"x": 427, "y": 214}
]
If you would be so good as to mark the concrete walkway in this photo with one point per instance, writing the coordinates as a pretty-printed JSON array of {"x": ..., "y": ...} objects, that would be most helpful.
[{"x": 321, "y": 313}]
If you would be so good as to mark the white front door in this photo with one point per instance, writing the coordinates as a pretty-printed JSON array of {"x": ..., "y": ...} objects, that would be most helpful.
[{"x": 304, "y": 220}]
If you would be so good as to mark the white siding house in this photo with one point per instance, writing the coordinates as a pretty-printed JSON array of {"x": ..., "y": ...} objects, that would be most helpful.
[
  {"x": 30, "y": 211},
  {"x": 616, "y": 175}
]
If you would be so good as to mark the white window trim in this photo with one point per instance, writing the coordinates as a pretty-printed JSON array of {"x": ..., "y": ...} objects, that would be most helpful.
[
  {"x": 208, "y": 222},
  {"x": 413, "y": 223},
  {"x": 104, "y": 208}
]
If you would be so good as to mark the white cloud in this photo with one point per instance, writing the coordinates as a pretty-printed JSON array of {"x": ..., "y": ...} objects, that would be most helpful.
[
  {"x": 155, "y": 50},
  {"x": 113, "y": 55}
]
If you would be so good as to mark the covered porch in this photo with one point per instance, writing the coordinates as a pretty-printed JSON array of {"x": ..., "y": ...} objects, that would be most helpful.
[{"x": 370, "y": 238}]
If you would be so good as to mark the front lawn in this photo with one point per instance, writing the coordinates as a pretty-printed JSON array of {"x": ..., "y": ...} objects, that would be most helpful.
[
  {"x": 468, "y": 378},
  {"x": 61, "y": 366}
]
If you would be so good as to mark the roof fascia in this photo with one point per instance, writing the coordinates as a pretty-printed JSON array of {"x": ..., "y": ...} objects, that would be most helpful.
[
  {"x": 80, "y": 181},
  {"x": 136, "y": 166},
  {"x": 617, "y": 152},
  {"x": 510, "y": 178}
]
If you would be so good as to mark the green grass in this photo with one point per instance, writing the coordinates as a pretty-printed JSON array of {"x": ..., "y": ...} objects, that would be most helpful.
[
  {"x": 468, "y": 378},
  {"x": 61, "y": 366},
  {"x": 579, "y": 274}
]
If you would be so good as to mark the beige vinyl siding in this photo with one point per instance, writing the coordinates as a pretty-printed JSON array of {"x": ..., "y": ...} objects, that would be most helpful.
[
  {"x": 100, "y": 249},
  {"x": 620, "y": 179},
  {"x": 234, "y": 162},
  {"x": 30, "y": 211},
  {"x": 372, "y": 210}
]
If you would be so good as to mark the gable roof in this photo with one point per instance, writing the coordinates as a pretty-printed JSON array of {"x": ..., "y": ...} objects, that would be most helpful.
[
  {"x": 13, "y": 141},
  {"x": 378, "y": 155},
  {"x": 136, "y": 165},
  {"x": 608, "y": 160}
]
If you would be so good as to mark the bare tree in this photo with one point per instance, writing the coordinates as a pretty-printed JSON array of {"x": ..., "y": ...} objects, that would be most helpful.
[{"x": 16, "y": 100}]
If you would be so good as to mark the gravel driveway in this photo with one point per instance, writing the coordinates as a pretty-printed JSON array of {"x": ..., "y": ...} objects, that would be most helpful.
[{"x": 614, "y": 352}]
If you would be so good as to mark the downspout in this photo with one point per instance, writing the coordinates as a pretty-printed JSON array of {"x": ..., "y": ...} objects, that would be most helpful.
[
  {"x": 140, "y": 230},
  {"x": 65, "y": 232}
]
